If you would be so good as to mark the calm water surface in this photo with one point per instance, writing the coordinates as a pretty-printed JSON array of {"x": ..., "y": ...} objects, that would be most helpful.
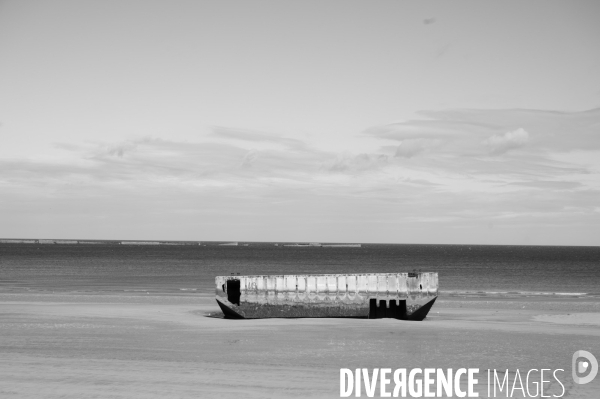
[{"x": 192, "y": 269}]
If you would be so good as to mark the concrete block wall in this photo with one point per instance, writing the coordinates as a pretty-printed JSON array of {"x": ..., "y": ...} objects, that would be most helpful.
[{"x": 331, "y": 288}]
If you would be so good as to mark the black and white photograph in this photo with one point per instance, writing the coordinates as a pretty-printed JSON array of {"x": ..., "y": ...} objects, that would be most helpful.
[{"x": 299, "y": 199}]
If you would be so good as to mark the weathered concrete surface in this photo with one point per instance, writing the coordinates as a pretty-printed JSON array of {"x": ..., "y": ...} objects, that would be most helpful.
[{"x": 327, "y": 295}]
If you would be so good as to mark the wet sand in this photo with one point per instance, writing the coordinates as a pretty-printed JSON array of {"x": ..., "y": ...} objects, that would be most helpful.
[{"x": 148, "y": 346}]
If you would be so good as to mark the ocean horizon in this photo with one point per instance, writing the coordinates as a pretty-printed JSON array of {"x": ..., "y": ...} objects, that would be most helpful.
[{"x": 479, "y": 270}]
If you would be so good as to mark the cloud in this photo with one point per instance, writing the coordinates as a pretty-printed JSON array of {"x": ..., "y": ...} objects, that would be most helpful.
[
  {"x": 474, "y": 132},
  {"x": 249, "y": 158},
  {"x": 411, "y": 147},
  {"x": 120, "y": 149},
  {"x": 428, "y": 21},
  {"x": 452, "y": 169},
  {"x": 357, "y": 163},
  {"x": 499, "y": 144},
  {"x": 450, "y": 150},
  {"x": 549, "y": 184},
  {"x": 548, "y": 130},
  {"x": 241, "y": 135},
  {"x": 492, "y": 152}
]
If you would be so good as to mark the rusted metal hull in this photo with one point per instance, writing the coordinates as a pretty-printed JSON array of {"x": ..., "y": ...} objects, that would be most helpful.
[{"x": 404, "y": 296}]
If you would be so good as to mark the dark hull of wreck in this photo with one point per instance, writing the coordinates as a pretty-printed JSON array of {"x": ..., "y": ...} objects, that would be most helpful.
[{"x": 392, "y": 309}]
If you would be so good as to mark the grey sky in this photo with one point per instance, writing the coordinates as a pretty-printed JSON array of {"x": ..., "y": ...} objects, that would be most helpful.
[{"x": 431, "y": 122}]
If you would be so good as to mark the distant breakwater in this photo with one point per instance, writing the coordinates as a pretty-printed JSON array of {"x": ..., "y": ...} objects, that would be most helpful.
[
  {"x": 98, "y": 242},
  {"x": 316, "y": 244},
  {"x": 133, "y": 242}
]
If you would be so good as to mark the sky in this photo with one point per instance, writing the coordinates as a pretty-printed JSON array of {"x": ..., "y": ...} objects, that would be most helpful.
[{"x": 456, "y": 122}]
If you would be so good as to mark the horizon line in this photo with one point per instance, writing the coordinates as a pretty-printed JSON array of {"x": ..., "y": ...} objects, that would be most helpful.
[{"x": 76, "y": 241}]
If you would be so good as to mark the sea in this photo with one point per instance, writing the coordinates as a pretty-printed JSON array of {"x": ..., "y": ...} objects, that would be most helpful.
[{"x": 191, "y": 269}]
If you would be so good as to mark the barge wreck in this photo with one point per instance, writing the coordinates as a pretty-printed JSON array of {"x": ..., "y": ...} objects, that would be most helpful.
[{"x": 403, "y": 296}]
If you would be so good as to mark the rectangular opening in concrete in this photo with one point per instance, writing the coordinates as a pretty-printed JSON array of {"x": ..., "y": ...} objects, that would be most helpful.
[
  {"x": 397, "y": 309},
  {"x": 233, "y": 291}
]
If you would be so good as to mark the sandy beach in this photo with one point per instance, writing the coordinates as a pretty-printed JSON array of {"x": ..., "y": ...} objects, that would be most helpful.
[
  {"x": 299, "y": 158},
  {"x": 148, "y": 346}
]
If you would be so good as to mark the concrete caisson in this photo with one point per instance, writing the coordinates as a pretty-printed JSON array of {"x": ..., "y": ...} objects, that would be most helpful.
[{"x": 404, "y": 296}]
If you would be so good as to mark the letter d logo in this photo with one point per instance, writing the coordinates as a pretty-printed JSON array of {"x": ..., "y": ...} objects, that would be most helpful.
[{"x": 583, "y": 366}]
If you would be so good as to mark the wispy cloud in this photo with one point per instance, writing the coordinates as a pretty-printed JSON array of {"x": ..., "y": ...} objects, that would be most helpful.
[
  {"x": 550, "y": 184},
  {"x": 411, "y": 147},
  {"x": 357, "y": 163},
  {"x": 450, "y": 168},
  {"x": 500, "y": 144},
  {"x": 260, "y": 138}
]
